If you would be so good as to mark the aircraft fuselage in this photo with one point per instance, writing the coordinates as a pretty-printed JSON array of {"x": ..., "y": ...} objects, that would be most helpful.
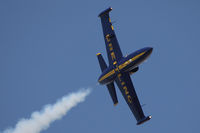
[{"x": 126, "y": 64}]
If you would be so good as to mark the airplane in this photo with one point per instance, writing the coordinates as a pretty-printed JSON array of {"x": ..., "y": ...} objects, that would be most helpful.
[{"x": 120, "y": 68}]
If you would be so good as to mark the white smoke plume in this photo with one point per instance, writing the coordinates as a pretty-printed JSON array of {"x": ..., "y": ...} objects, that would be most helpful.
[{"x": 41, "y": 120}]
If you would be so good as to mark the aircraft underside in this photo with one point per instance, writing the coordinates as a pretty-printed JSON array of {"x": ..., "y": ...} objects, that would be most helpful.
[{"x": 120, "y": 68}]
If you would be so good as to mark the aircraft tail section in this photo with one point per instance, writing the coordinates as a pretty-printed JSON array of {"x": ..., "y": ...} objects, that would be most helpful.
[
  {"x": 111, "y": 87},
  {"x": 112, "y": 91},
  {"x": 102, "y": 63}
]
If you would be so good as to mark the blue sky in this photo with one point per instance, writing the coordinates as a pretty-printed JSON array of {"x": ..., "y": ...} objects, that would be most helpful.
[{"x": 48, "y": 49}]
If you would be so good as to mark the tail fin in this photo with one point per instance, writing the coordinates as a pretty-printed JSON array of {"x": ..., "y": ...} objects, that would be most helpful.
[
  {"x": 102, "y": 63},
  {"x": 111, "y": 89}
]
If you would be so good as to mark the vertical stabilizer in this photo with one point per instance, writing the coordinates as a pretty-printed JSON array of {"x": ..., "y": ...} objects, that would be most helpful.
[
  {"x": 102, "y": 63},
  {"x": 111, "y": 87}
]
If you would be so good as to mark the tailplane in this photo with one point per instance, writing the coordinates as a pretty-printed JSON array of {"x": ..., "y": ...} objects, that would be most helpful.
[
  {"x": 102, "y": 63},
  {"x": 111, "y": 87}
]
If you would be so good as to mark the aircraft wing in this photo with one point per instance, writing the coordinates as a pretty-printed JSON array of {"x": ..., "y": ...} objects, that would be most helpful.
[
  {"x": 112, "y": 46},
  {"x": 127, "y": 89}
]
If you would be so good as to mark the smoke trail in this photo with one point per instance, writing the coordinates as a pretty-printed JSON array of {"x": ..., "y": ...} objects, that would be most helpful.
[{"x": 40, "y": 120}]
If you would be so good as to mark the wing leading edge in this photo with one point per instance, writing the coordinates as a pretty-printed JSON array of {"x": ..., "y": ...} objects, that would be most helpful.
[
  {"x": 112, "y": 46},
  {"x": 127, "y": 89}
]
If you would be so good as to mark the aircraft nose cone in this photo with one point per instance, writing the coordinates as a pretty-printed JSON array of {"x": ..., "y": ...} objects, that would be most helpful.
[{"x": 150, "y": 50}]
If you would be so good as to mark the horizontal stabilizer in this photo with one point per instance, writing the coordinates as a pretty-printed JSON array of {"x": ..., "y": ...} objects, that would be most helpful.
[
  {"x": 144, "y": 120},
  {"x": 102, "y": 63},
  {"x": 111, "y": 89}
]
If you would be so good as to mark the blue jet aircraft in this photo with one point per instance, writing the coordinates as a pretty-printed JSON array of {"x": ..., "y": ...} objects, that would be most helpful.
[{"x": 120, "y": 68}]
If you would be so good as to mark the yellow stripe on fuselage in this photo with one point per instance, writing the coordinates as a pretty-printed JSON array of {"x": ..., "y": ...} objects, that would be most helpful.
[
  {"x": 121, "y": 66},
  {"x": 112, "y": 27},
  {"x": 132, "y": 59},
  {"x": 107, "y": 75}
]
